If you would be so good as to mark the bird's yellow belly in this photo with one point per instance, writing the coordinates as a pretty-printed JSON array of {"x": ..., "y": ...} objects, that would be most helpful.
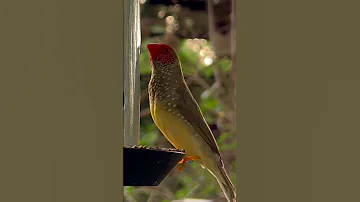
[{"x": 175, "y": 129}]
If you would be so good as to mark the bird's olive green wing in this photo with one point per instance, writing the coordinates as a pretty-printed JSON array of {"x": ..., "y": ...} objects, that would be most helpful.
[{"x": 189, "y": 108}]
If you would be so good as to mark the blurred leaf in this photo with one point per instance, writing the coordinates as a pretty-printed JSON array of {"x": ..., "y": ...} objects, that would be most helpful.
[
  {"x": 223, "y": 137},
  {"x": 128, "y": 189},
  {"x": 208, "y": 72},
  {"x": 189, "y": 59},
  {"x": 224, "y": 64},
  {"x": 231, "y": 146},
  {"x": 158, "y": 29},
  {"x": 209, "y": 103},
  {"x": 223, "y": 145},
  {"x": 149, "y": 139},
  {"x": 144, "y": 63},
  {"x": 149, "y": 135},
  {"x": 209, "y": 189}
]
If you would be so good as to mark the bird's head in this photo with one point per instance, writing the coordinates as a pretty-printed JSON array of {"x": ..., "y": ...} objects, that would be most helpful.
[{"x": 161, "y": 55}]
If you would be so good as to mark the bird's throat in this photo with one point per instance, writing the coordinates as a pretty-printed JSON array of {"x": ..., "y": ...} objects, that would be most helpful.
[
  {"x": 162, "y": 87},
  {"x": 165, "y": 81}
]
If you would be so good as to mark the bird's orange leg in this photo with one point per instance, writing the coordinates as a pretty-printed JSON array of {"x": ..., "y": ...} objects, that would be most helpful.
[{"x": 185, "y": 160}]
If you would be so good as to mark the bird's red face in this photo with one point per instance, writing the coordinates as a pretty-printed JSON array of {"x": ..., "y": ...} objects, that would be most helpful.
[{"x": 161, "y": 53}]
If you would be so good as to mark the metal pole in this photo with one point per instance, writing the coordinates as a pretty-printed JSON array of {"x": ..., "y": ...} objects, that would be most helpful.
[{"x": 131, "y": 72}]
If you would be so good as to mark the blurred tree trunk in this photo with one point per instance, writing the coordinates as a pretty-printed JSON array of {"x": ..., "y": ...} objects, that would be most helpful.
[
  {"x": 221, "y": 41},
  {"x": 131, "y": 72}
]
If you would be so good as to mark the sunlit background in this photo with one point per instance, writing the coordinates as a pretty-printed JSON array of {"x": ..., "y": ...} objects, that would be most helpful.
[{"x": 203, "y": 45}]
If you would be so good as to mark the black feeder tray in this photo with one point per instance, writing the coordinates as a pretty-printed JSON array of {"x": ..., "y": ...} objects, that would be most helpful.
[{"x": 148, "y": 166}]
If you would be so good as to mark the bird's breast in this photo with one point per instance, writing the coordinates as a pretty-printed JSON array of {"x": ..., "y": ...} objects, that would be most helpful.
[{"x": 179, "y": 133}]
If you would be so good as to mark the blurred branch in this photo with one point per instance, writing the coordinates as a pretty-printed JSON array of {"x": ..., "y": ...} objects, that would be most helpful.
[
  {"x": 192, "y": 191},
  {"x": 145, "y": 112},
  {"x": 201, "y": 81},
  {"x": 167, "y": 190},
  {"x": 210, "y": 9},
  {"x": 189, "y": 81},
  {"x": 218, "y": 78},
  {"x": 168, "y": 194},
  {"x": 129, "y": 198},
  {"x": 144, "y": 95},
  {"x": 153, "y": 194},
  {"x": 160, "y": 189}
]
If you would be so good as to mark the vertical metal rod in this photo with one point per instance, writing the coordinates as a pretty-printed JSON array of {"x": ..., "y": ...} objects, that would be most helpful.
[{"x": 132, "y": 43}]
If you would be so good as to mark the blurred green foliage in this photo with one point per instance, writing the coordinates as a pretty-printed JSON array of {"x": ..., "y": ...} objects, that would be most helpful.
[{"x": 194, "y": 181}]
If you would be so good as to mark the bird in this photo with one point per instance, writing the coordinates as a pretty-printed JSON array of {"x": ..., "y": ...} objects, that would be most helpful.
[{"x": 176, "y": 113}]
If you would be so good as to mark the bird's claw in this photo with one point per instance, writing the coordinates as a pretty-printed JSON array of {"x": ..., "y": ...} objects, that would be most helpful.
[{"x": 185, "y": 160}]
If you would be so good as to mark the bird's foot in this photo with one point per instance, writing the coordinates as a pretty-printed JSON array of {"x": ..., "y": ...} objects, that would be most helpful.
[{"x": 185, "y": 160}]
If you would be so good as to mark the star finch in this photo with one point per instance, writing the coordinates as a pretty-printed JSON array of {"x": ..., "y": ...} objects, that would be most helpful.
[{"x": 178, "y": 116}]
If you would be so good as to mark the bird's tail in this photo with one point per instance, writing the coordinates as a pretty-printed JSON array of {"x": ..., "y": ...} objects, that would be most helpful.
[{"x": 225, "y": 183}]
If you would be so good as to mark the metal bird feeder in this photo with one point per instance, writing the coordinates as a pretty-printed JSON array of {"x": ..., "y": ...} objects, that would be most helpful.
[{"x": 148, "y": 166}]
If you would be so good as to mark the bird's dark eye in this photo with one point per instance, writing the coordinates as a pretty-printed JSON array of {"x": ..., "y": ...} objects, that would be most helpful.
[{"x": 167, "y": 50}]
